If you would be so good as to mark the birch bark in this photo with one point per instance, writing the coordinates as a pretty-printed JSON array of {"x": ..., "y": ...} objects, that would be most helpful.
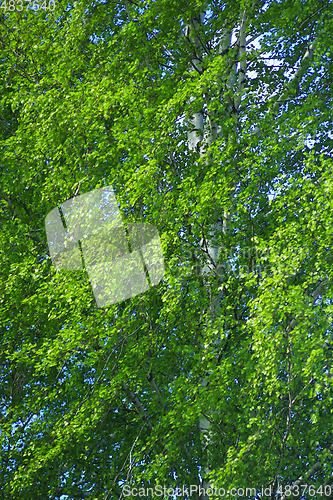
[{"x": 203, "y": 131}]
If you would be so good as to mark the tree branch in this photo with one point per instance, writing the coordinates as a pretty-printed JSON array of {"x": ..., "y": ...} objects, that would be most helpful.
[{"x": 317, "y": 466}]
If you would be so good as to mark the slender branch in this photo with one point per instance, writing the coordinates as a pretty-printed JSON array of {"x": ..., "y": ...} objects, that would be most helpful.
[
  {"x": 153, "y": 385},
  {"x": 17, "y": 213},
  {"x": 123, "y": 466},
  {"x": 309, "y": 473},
  {"x": 313, "y": 299},
  {"x": 137, "y": 403}
]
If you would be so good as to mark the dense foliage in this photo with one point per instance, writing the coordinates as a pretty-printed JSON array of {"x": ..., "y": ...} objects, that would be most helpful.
[{"x": 220, "y": 374}]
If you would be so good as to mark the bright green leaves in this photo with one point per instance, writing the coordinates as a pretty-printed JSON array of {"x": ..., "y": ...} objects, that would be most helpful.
[{"x": 101, "y": 94}]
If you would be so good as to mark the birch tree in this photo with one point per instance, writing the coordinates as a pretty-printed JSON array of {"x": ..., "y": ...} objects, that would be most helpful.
[{"x": 211, "y": 121}]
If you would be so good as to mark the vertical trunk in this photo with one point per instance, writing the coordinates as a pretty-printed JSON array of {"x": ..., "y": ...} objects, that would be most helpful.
[
  {"x": 198, "y": 139},
  {"x": 202, "y": 133}
]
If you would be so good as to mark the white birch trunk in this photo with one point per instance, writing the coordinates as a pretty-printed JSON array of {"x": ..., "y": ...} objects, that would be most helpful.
[{"x": 201, "y": 135}]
